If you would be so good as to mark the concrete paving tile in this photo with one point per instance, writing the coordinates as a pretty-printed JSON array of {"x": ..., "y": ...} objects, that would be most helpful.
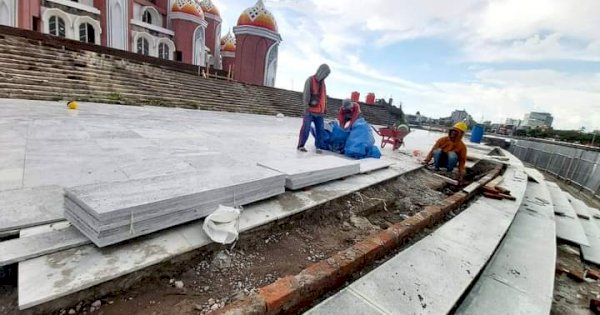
[
  {"x": 27, "y": 207},
  {"x": 347, "y": 302}
]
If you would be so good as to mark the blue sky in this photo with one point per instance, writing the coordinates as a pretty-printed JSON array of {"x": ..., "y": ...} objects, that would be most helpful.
[{"x": 495, "y": 58}]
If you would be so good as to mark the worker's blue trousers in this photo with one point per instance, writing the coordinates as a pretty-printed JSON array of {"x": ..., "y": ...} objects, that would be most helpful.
[
  {"x": 305, "y": 130},
  {"x": 444, "y": 159}
]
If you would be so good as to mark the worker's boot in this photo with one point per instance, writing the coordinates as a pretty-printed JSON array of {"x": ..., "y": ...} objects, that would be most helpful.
[{"x": 301, "y": 149}]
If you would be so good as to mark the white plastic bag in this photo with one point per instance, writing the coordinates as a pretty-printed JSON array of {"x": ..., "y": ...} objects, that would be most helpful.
[{"x": 222, "y": 225}]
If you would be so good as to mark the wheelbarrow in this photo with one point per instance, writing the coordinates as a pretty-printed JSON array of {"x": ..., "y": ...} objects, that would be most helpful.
[{"x": 392, "y": 135}]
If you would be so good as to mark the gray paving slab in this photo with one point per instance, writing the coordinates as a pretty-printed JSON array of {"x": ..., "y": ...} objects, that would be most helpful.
[
  {"x": 370, "y": 164},
  {"x": 507, "y": 300},
  {"x": 568, "y": 227},
  {"x": 104, "y": 200},
  {"x": 591, "y": 228},
  {"x": 311, "y": 171},
  {"x": 535, "y": 174},
  {"x": 561, "y": 203},
  {"x": 519, "y": 279},
  {"x": 345, "y": 302},
  {"x": 22, "y": 208},
  {"x": 23, "y": 248},
  {"x": 113, "y": 212}
]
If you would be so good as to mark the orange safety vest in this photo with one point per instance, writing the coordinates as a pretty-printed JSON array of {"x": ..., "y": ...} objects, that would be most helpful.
[{"x": 319, "y": 91}]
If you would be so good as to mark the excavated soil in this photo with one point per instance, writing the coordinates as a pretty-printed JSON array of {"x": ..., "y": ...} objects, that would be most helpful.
[
  {"x": 213, "y": 276},
  {"x": 571, "y": 296}
]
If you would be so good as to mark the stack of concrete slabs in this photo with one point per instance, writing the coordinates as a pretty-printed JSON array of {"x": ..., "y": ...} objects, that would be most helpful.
[
  {"x": 311, "y": 171},
  {"x": 110, "y": 213}
]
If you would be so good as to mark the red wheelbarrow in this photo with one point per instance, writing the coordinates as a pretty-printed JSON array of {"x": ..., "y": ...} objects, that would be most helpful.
[{"x": 394, "y": 136}]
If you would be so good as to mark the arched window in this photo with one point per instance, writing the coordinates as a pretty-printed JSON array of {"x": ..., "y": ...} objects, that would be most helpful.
[
  {"x": 143, "y": 46},
  {"x": 87, "y": 33},
  {"x": 57, "y": 26},
  {"x": 5, "y": 14},
  {"x": 147, "y": 17},
  {"x": 163, "y": 51}
]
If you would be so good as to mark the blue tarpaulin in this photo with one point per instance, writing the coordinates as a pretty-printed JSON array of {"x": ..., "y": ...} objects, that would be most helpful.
[{"x": 358, "y": 143}]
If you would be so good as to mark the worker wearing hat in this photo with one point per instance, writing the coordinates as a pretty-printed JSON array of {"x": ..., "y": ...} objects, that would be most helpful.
[
  {"x": 349, "y": 112},
  {"x": 450, "y": 150}
]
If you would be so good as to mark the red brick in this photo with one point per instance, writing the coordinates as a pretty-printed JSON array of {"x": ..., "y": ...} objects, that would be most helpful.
[
  {"x": 388, "y": 238},
  {"x": 593, "y": 274},
  {"x": 278, "y": 294},
  {"x": 370, "y": 250},
  {"x": 575, "y": 275},
  {"x": 348, "y": 261},
  {"x": 249, "y": 306},
  {"x": 595, "y": 306}
]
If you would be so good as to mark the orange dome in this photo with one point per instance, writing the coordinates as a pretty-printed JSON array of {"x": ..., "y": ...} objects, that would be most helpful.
[
  {"x": 209, "y": 7},
  {"x": 258, "y": 16},
  {"x": 228, "y": 43},
  {"x": 187, "y": 6}
]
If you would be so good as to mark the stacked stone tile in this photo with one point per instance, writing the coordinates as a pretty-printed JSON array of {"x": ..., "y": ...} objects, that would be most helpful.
[
  {"x": 306, "y": 172},
  {"x": 110, "y": 213}
]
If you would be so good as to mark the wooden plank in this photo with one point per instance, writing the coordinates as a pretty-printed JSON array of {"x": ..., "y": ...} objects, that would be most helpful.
[
  {"x": 471, "y": 188},
  {"x": 495, "y": 182},
  {"x": 446, "y": 179}
]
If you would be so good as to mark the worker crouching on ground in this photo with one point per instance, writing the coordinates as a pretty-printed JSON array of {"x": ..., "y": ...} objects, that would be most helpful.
[
  {"x": 315, "y": 103},
  {"x": 349, "y": 112},
  {"x": 450, "y": 150}
]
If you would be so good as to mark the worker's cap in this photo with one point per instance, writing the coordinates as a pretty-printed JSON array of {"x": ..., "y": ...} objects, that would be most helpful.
[{"x": 347, "y": 103}]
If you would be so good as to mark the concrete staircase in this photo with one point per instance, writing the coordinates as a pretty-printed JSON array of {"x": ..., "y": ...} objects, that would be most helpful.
[{"x": 42, "y": 67}]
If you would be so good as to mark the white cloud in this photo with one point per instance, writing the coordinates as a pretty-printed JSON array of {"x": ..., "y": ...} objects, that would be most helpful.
[{"x": 488, "y": 31}]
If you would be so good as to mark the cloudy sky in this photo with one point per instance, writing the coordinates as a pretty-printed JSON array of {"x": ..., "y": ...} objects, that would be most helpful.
[{"x": 495, "y": 58}]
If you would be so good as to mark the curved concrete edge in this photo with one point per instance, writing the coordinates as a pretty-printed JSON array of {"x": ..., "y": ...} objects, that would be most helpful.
[{"x": 519, "y": 278}]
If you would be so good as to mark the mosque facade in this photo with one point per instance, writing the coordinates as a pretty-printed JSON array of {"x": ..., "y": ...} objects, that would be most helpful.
[{"x": 187, "y": 31}]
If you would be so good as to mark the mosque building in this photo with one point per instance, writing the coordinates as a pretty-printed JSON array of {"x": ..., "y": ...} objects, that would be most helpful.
[{"x": 188, "y": 31}]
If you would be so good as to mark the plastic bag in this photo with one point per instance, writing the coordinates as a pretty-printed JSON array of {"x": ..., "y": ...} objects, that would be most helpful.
[{"x": 222, "y": 225}]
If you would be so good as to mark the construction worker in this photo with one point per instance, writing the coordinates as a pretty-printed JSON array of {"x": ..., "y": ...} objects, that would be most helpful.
[
  {"x": 450, "y": 150},
  {"x": 315, "y": 107},
  {"x": 348, "y": 113}
]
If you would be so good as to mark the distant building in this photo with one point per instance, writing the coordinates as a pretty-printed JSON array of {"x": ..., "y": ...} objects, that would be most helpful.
[
  {"x": 537, "y": 119},
  {"x": 513, "y": 122},
  {"x": 459, "y": 115}
]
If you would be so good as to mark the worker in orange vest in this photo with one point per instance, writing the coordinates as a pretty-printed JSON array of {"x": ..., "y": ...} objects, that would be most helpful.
[
  {"x": 450, "y": 150},
  {"x": 349, "y": 112},
  {"x": 315, "y": 107}
]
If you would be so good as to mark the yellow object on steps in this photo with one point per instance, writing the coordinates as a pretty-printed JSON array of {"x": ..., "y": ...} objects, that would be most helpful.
[{"x": 72, "y": 105}]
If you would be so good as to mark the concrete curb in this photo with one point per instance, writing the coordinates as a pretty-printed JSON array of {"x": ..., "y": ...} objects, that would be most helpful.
[{"x": 293, "y": 293}]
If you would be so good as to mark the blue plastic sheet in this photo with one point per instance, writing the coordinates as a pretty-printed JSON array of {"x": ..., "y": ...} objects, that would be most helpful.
[
  {"x": 333, "y": 138},
  {"x": 360, "y": 143}
]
